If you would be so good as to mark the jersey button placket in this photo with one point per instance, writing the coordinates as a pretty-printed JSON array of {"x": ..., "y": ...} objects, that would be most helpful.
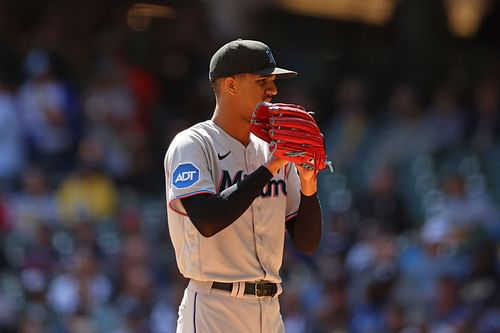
[
  {"x": 258, "y": 225},
  {"x": 247, "y": 160}
]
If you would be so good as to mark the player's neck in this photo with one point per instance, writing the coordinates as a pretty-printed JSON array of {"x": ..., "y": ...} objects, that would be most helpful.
[{"x": 234, "y": 127}]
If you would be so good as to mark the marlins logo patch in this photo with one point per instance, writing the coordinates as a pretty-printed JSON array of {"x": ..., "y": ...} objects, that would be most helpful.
[{"x": 185, "y": 175}]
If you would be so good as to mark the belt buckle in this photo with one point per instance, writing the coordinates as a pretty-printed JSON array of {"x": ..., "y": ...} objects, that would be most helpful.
[
  {"x": 258, "y": 292},
  {"x": 261, "y": 292}
]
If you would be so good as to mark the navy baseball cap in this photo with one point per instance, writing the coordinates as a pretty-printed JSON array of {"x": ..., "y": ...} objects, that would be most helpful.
[{"x": 245, "y": 56}]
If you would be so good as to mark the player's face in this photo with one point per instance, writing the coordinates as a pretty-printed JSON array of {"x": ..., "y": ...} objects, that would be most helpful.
[{"x": 256, "y": 88}]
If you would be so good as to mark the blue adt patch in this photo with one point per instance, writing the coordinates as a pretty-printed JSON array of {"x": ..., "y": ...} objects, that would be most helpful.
[{"x": 185, "y": 175}]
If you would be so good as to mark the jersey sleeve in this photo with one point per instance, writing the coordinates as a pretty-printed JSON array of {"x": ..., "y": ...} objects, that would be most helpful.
[
  {"x": 187, "y": 170},
  {"x": 293, "y": 191}
]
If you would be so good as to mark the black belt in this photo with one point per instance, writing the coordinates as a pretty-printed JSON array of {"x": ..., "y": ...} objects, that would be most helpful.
[{"x": 259, "y": 289}]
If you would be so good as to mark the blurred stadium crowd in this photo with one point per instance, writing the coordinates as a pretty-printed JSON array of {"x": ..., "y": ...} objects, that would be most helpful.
[{"x": 88, "y": 107}]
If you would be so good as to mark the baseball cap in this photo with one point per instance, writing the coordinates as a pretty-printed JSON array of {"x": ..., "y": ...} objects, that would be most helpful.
[{"x": 245, "y": 56}]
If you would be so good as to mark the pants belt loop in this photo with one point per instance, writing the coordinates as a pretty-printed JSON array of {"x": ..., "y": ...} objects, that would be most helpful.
[
  {"x": 241, "y": 289},
  {"x": 234, "y": 291},
  {"x": 279, "y": 290}
]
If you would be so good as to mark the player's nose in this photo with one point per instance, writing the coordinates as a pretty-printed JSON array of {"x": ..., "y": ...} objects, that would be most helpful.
[{"x": 271, "y": 89}]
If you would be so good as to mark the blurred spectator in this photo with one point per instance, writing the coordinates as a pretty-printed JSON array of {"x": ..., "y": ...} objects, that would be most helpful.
[
  {"x": 481, "y": 290},
  {"x": 146, "y": 91},
  {"x": 164, "y": 315},
  {"x": 295, "y": 317},
  {"x": 417, "y": 287},
  {"x": 445, "y": 120},
  {"x": 86, "y": 237},
  {"x": 370, "y": 317},
  {"x": 7, "y": 315},
  {"x": 35, "y": 283},
  {"x": 373, "y": 257},
  {"x": 81, "y": 288},
  {"x": 489, "y": 321},
  {"x": 448, "y": 314},
  {"x": 349, "y": 126},
  {"x": 396, "y": 320},
  {"x": 109, "y": 108},
  {"x": 80, "y": 323},
  {"x": 87, "y": 193},
  {"x": 11, "y": 141},
  {"x": 465, "y": 210},
  {"x": 40, "y": 252},
  {"x": 48, "y": 114},
  {"x": 484, "y": 119},
  {"x": 164, "y": 312},
  {"x": 133, "y": 317},
  {"x": 333, "y": 313},
  {"x": 135, "y": 298},
  {"x": 401, "y": 134},
  {"x": 34, "y": 204},
  {"x": 360, "y": 258},
  {"x": 338, "y": 233},
  {"x": 135, "y": 252},
  {"x": 135, "y": 295},
  {"x": 26, "y": 324},
  {"x": 382, "y": 204}
]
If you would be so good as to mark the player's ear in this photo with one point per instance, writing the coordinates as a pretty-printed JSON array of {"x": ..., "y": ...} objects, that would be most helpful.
[{"x": 230, "y": 84}]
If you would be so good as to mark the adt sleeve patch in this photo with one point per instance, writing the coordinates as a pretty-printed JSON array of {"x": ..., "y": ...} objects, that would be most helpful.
[{"x": 185, "y": 175}]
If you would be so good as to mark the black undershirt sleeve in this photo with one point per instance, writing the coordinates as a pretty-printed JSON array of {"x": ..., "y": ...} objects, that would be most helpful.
[
  {"x": 210, "y": 213},
  {"x": 305, "y": 229}
]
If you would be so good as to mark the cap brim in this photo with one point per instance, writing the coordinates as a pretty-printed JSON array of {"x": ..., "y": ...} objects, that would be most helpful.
[{"x": 280, "y": 73}]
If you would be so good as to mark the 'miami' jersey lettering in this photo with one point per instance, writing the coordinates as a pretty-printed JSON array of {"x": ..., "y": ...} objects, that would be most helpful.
[
  {"x": 226, "y": 180},
  {"x": 271, "y": 189}
]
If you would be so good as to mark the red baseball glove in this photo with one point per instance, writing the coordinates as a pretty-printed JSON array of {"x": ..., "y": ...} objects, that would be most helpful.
[{"x": 292, "y": 133}]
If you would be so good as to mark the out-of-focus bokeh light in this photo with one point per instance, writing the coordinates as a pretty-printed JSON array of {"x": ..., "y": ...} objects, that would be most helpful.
[
  {"x": 140, "y": 15},
  {"x": 464, "y": 16},
  {"x": 376, "y": 12}
]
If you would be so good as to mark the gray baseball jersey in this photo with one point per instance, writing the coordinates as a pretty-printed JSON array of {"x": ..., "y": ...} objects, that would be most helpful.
[{"x": 205, "y": 159}]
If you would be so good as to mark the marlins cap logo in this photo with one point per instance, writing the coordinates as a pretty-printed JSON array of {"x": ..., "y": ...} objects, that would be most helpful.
[
  {"x": 185, "y": 175},
  {"x": 270, "y": 57}
]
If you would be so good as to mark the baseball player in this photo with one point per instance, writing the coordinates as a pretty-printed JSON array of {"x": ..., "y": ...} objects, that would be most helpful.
[{"x": 230, "y": 202}]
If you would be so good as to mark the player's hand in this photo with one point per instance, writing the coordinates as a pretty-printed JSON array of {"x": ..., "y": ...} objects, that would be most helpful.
[
  {"x": 308, "y": 180},
  {"x": 275, "y": 163}
]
